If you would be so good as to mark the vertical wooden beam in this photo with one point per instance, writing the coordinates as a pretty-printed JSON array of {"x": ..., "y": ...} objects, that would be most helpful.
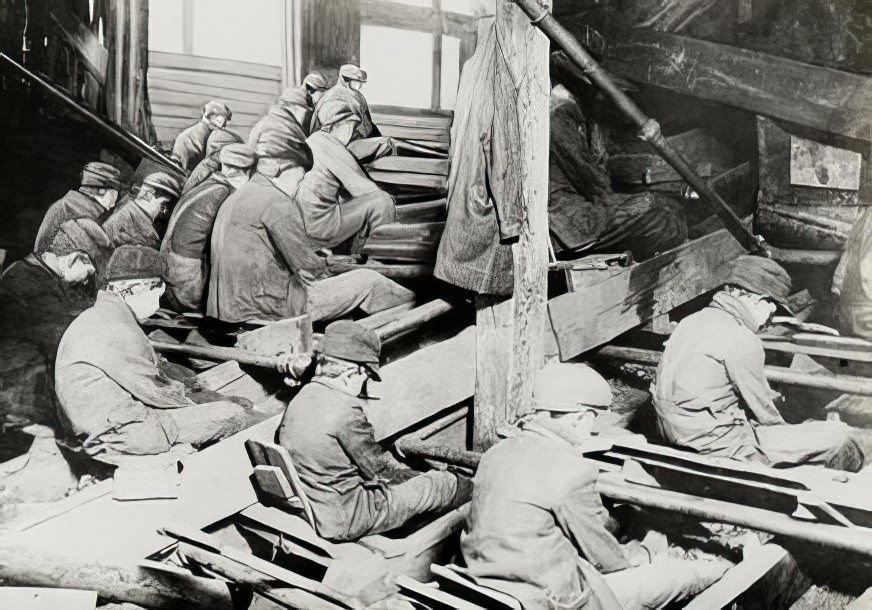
[
  {"x": 188, "y": 27},
  {"x": 510, "y": 347},
  {"x": 118, "y": 40},
  {"x": 330, "y": 35},
  {"x": 436, "y": 89},
  {"x": 290, "y": 77}
]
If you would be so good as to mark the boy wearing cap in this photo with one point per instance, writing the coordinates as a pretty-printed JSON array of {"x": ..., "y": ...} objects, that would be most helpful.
[
  {"x": 356, "y": 487},
  {"x": 344, "y": 111},
  {"x": 190, "y": 145},
  {"x": 535, "y": 497},
  {"x": 95, "y": 199},
  {"x": 711, "y": 394},
  {"x": 218, "y": 139},
  {"x": 133, "y": 223},
  {"x": 40, "y": 296},
  {"x": 186, "y": 244},
  {"x": 263, "y": 261},
  {"x": 114, "y": 399},
  {"x": 288, "y": 118}
]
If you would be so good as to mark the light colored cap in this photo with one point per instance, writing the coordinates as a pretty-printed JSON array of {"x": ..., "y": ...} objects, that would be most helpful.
[{"x": 352, "y": 72}]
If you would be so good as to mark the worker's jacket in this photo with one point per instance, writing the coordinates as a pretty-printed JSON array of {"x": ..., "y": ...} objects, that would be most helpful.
[
  {"x": 261, "y": 258},
  {"x": 710, "y": 382},
  {"x": 190, "y": 145},
  {"x": 852, "y": 280},
  {"x": 205, "y": 168},
  {"x": 129, "y": 225},
  {"x": 36, "y": 307},
  {"x": 187, "y": 241},
  {"x": 71, "y": 206},
  {"x": 342, "y": 467},
  {"x": 534, "y": 512},
  {"x": 485, "y": 206},
  {"x": 342, "y": 104}
]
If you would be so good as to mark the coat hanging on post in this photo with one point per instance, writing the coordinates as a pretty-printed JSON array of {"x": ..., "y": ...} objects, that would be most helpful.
[{"x": 485, "y": 206}]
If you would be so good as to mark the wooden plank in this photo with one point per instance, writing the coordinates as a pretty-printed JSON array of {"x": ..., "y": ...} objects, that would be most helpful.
[
  {"x": 767, "y": 577},
  {"x": 408, "y": 111},
  {"x": 430, "y": 181},
  {"x": 424, "y": 211},
  {"x": 606, "y": 304},
  {"x": 226, "y": 81},
  {"x": 208, "y": 92},
  {"x": 415, "y": 18},
  {"x": 195, "y": 113},
  {"x": 424, "y": 231},
  {"x": 44, "y": 598},
  {"x": 193, "y": 100},
  {"x": 395, "y": 163},
  {"x": 159, "y": 59},
  {"x": 399, "y": 120},
  {"x": 510, "y": 339},
  {"x": 431, "y": 596},
  {"x": 415, "y": 133},
  {"x": 85, "y": 42},
  {"x": 391, "y": 270},
  {"x": 828, "y": 100},
  {"x": 422, "y": 384}
]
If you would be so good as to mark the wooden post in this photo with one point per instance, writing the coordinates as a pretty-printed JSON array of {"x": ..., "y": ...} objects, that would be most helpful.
[
  {"x": 510, "y": 347},
  {"x": 290, "y": 77},
  {"x": 329, "y": 35},
  {"x": 436, "y": 89}
]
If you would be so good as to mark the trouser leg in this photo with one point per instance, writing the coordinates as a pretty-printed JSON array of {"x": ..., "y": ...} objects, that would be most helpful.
[
  {"x": 645, "y": 224},
  {"x": 363, "y": 289},
  {"x": 357, "y": 218},
  {"x": 370, "y": 149},
  {"x": 826, "y": 443},
  {"x": 431, "y": 492},
  {"x": 663, "y": 582},
  {"x": 212, "y": 421}
]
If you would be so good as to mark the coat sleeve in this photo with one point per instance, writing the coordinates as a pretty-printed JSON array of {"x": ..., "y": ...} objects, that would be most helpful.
[
  {"x": 582, "y": 518},
  {"x": 285, "y": 231},
  {"x": 745, "y": 369},
  {"x": 358, "y": 441}
]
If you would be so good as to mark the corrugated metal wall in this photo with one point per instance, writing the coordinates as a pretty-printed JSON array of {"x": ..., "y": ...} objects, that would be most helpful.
[{"x": 179, "y": 85}]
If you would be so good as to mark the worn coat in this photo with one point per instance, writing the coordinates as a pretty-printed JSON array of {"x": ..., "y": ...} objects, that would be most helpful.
[
  {"x": 186, "y": 245},
  {"x": 278, "y": 119},
  {"x": 36, "y": 307},
  {"x": 342, "y": 104},
  {"x": 852, "y": 280},
  {"x": 190, "y": 145},
  {"x": 259, "y": 249},
  {"x": 130, "y": 225},
  {"x": 114, "y": 398},
  {"x": 534, "y": 511},
  {"x": 485, "y": 206},
  {"x": 71, "y": 206},
  {"x": 330, "y": 216},
  {"x": 202, "y": 172},
  {"x": 355, "y": 486}
]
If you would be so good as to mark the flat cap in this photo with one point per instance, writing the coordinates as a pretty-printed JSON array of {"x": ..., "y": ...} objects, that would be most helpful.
[
  {"x": 295, "y": 96},
  {"x": 275, "y": 145},
  {"x": 352, "y": 72},
  {"x": 84, "y": 235},
  {"x": 215, "y": 107},
  {"x": 101, "y": 175},
  {"x": 219, "y": 138},
  {"x": 570, "y": 387},
  {"x": 761, "y": 276},
  {"x": 315, "y": 81},
  {"x": 238, "y": 155},
  {"x": 163, "y": 183},
  {"x": 350, "y": 341},
  {"x": 135, "y": 263}
]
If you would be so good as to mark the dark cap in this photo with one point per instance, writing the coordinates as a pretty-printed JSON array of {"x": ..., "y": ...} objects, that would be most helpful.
[
  {"x": 761, "y": 276},
  {"x": 101, "y": 175},
  {"x": 135, "y": 262},
  {"x": 273, "y": 144},
  {"x": 350, "y": 341},
  {"x": 219, "y": 138},
  {"x": 163, "y": 183},
  {"x": 84, "y": 235}
]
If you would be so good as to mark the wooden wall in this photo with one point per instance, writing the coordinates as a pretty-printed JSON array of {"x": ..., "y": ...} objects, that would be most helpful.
[
  {"x": 330, "y": 35},
  {"x": 179, "y": 85}
]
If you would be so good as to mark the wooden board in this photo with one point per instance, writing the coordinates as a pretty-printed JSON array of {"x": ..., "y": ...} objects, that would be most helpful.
[
  {"x": 415, "y": 133},
  {"x": 394, "y": 163},
  {"x": 423, "y": 384},
  {"x": 415, "y": 18},
  {"x": 83, "y": 40},
  {"x": 226, "y": 81},
  {"x": 408, "y": 111},
  {"x": 208, "y": 91},
  {"x": 821, "y": 98},
  {"x": 399, "y": 120},
  {"x": 162, "y": 97},
  {"x": 430, "y": 181},
  {"x": 158, "y": 59},
  {"x": 602, "y": 305}
]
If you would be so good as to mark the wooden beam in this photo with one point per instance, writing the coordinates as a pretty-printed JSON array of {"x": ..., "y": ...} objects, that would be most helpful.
[
  {"x": 415, "y": 18},
  {"x": 605, "y": 304},
  {"x": 159, "y": 59},
  {"x": 824, "y": 99},
  {"x": 85, "y": 42},
  {"x": 394, "y": 163},
  {"x": 436, "y": 67},
  {"x": 510, "y": 344},
  {"x": 329, "y": 35}
]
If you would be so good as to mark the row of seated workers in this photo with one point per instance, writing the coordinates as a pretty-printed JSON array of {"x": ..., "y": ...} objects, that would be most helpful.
[{"x": 249, "y": 235}]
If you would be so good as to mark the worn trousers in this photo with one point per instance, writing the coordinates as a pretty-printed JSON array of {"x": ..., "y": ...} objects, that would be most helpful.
[
  {"x": 362, "y": 289},
  {"x": 357, "y": 219},
  {"x": 370, "y": 149},
  {"x": 396, "y": 505},
  {"x": 663, "y": 582}
]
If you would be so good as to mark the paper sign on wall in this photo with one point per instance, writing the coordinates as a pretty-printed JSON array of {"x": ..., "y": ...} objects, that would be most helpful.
[{"x": 819, "y": 165}]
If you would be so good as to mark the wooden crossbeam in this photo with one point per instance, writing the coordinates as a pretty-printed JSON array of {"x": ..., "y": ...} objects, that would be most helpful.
[{"x": 828, "y": 100}]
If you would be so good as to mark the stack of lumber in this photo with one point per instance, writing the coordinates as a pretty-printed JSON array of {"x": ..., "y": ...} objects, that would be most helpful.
[{"x": 417, "y": 176}]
